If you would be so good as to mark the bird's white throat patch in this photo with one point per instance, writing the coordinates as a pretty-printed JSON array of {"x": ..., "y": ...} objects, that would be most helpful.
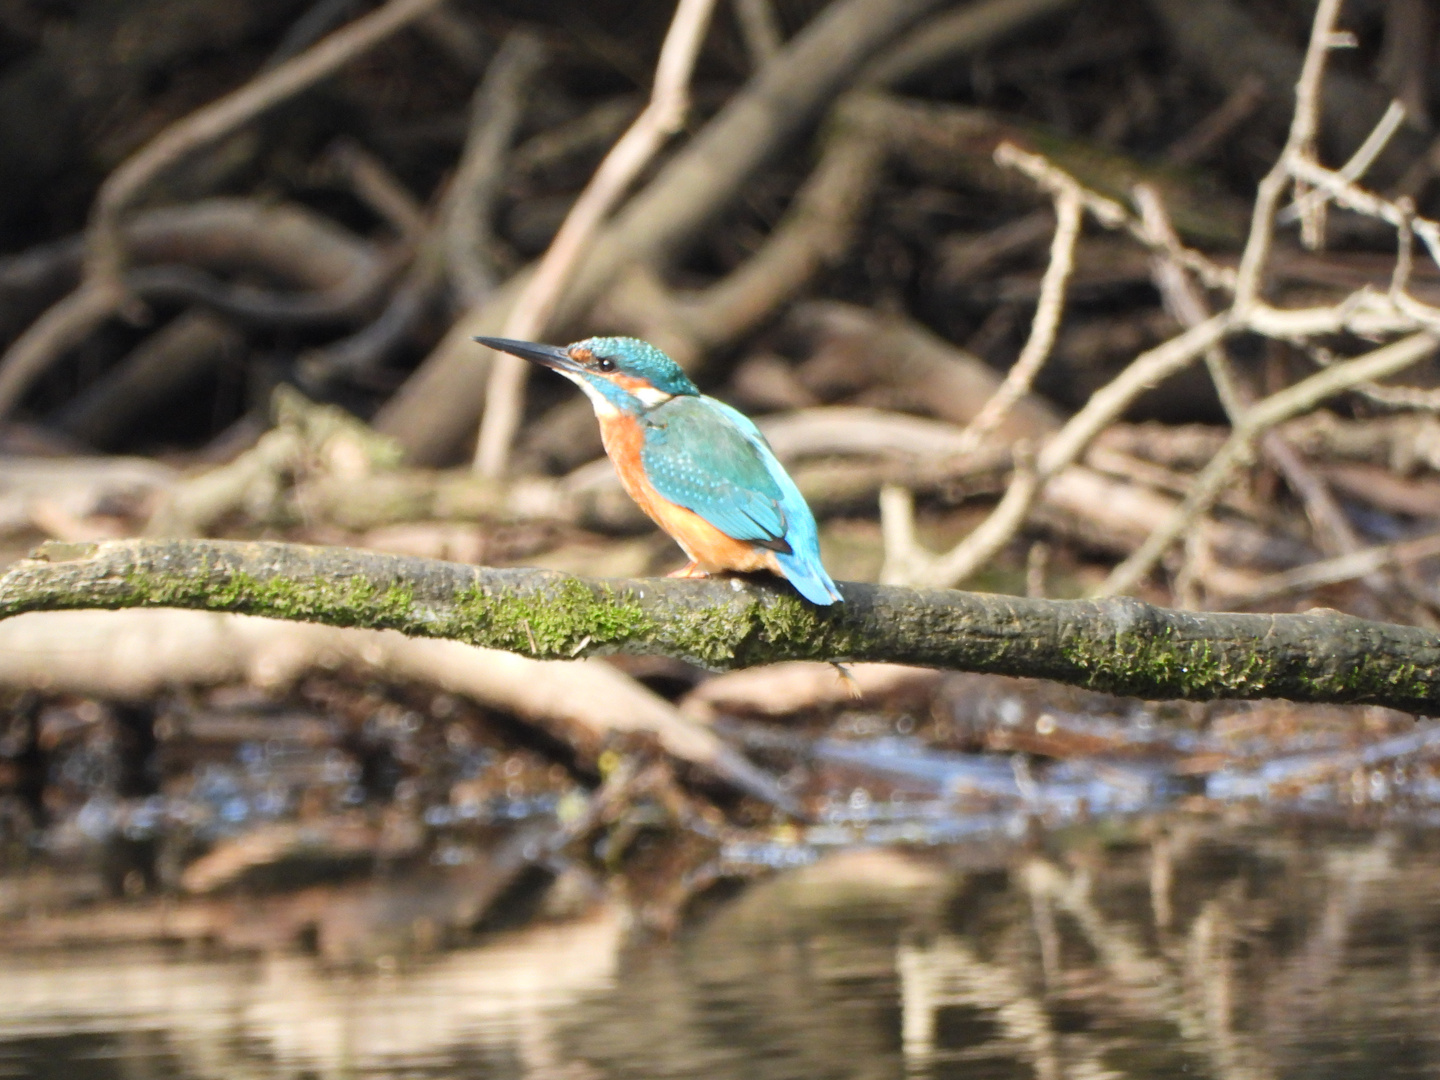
[
  {"x": 602, "y": 404},
  {"x": 650, "y": 397}
]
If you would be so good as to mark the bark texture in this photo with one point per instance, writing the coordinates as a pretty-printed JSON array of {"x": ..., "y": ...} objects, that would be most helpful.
[{"x": 1119, "y": 645}]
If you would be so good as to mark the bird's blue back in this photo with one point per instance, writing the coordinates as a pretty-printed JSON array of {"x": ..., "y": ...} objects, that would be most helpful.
[{"x": 711, "y": 459}]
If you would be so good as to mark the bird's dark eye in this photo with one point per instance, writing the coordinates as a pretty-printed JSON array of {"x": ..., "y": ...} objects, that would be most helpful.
[{"x": 605, "y": 364}]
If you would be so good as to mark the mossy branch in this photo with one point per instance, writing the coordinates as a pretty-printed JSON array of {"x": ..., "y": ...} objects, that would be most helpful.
[{"x": 1118, "y": 645}]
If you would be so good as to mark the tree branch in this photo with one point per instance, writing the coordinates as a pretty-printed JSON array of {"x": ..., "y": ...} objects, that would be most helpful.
[
  {"x": 1118, "y": 645},
  {"x": 661, "y": 118}
]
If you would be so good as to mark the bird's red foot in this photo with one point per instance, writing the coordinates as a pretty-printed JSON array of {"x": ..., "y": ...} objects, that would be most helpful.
[{"x": 689, "y": 570}]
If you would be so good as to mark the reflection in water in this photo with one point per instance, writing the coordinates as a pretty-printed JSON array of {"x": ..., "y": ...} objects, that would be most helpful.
[
  {"x": 1202, "y": 952},
  {"x": 282, "y": 1016}
]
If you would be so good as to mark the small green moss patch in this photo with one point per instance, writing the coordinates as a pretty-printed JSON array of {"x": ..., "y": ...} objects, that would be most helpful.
[{"x": 558, "y": 621}]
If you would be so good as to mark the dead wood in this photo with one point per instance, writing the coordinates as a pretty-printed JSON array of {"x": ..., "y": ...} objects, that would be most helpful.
[
  {"x": 175, "y": 247},
  {"x": 495, "y": 114},
  {"x": 106, "y": 255},
  {"x": 160, "y": 370},
  {"x": 865, "y": 132},
  {"x": 854, "y": 348},
  {"x": 89, "y": 74},
  {"x": 81, "y": 488},
  {"x": 440, "y": 405},
  {"x": 1224, "y": 42},
  {"x": 135, "y": 655},
  {"x": 663, "y": 116},
  {"x": 105, "y": 289},
  {"x": 946, "y": 38}
]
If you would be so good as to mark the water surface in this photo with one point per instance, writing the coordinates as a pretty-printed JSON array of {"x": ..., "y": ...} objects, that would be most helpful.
[{"x": 1199, "y": 950}]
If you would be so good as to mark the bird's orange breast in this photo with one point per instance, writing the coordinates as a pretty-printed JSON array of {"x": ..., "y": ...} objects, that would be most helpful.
[{"x": 709, "y": 548}]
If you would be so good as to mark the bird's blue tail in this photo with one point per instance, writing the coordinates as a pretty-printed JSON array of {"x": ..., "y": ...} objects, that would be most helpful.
[
  {"x": 801, "y": 564},
  {"x": 803, "y": 570}
]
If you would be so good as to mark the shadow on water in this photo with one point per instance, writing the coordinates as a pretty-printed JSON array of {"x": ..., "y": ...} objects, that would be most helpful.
[{"x": 1202, "y": 951}]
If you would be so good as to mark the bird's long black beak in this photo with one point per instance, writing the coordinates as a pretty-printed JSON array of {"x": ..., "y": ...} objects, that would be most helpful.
[{"x": 551, "y": 356}]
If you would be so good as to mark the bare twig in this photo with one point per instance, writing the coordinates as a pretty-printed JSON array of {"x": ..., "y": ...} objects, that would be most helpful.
[
  {"x": 1197, "y": 143},
  {"x": 760, "y": 28},
  {"x": 457, "y": 243},
  {"x": 663, "y": 117},
  {"x": 816, "y": 231},
  {"x": 437, "y": 409},
  {"x": 1276, "y": 409},
  {"x": 950, "y": 36},
  {"x": 162, "y": 366},
  {"x": 205, "y": 125},
  {"x": 61, "y": 328},
  {"x": 1104, "y": 406},
  {"x": 1181, "y": 298},
  {"x": 990, "y": 536},
  {"x": 378, "y": 187},
  {"x": 1188, "y": 305},
  {"x": 1248, "y": 311},
  {"x": 1351, "y": 197},
  {"x": 1068, "y": 211},
  {"x": 1355, "y": 168},
  {"x": 1037, "y": 566},
  {"x": 1249, "y": 277},
  {"x": 495, "y": 111},
  {"x": 104, "y": 292},
  {"x": 365, "y": 349},
  {"x": 1348, "y": 567},
  {"x": 1112, "y": 215},
  {"x": 897, "y": 532}
]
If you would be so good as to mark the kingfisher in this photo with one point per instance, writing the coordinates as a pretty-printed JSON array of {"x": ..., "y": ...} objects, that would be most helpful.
[{"x": 698, "y": 468}]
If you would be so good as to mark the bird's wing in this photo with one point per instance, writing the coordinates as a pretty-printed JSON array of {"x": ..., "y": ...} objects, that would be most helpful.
[{"x": 695, "y": 456}]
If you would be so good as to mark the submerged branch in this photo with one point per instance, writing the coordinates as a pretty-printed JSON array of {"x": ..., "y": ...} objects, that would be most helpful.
[{"x": 1118, "y": 645}]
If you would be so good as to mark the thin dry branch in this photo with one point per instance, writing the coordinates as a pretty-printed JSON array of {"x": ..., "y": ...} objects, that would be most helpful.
[
  {"x": 1201, "y": 140},
  {"x": 662, "y": 118},
  {"x": 1362, "y": 309},
  {"x": 1187, "y": 304},
  {"x": 1069, "y": 209},
  {"x": 1303, "y": 126},
  {"x": 495, "y": 112},
  {"x": 205, "y": 125},
  {"x": 1347, "y": 567},
  {"x": 49, "y": 337},
  {"x": 945, "y": 39},
  {"x": 1355, "y": 168},
  {"x": 1276, "y": 409},
  {"x": 760, "y": 27},
  {"x": 379, "y": 188},
  {"x": 1104, "y": 407},
  {"x": 817, "y": 230},
  {"x": 104, "y": 291},
  {"x": 1351, "y": 197},
  {"x": 437, "y": 409}
]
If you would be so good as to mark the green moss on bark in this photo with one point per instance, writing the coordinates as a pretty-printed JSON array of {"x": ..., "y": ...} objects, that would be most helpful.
[
  {"x": 1121, "y": 646},
  {"x": 555, "y": 622},
  {"x": 1180, "y": 667},
  {"x": 1367, "y": 680},
  {"x": 352, "y": 601}
]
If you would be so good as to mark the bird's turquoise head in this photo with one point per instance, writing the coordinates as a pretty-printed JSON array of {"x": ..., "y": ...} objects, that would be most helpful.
[{"x": 623, "y": 374}]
